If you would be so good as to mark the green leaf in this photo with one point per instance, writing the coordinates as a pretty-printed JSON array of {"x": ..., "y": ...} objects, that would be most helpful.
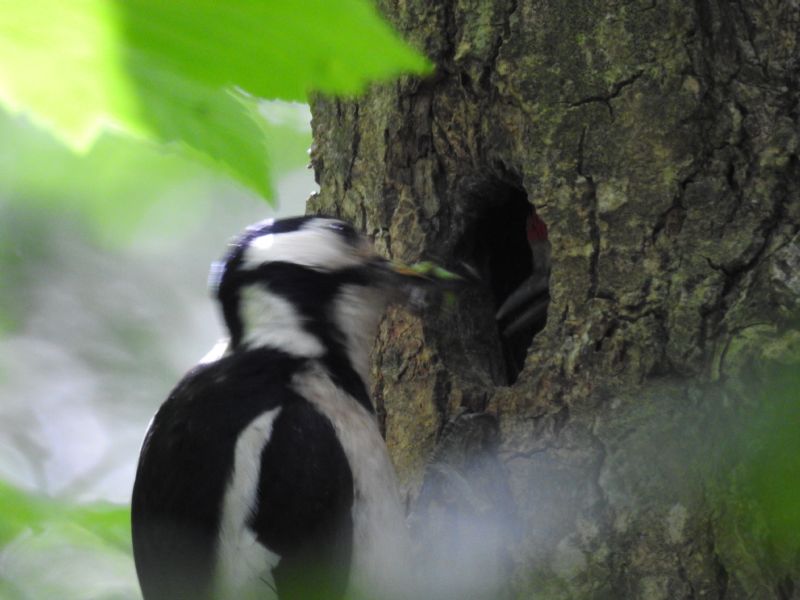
[
  {"x": 113, "y": 186},
  {"x": 222, "y": 129},
  {"x": 270, "y": 48},
  {"x": 771, "y": 467},
  {"x": 756, "y": 493},
  {"x": 21, "y": 511},
  {"x": 185, "y": 72},
  {"x": 56, "y": 549},
  {"x": 118, "y": 182},
  {"x": 61, "y": 61}
]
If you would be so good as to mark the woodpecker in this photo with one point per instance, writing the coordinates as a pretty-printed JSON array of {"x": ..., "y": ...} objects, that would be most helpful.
[
  {"x": 264, "y": 473},
  {"x": 523, "y": 312},
  {"x": 527, "y": 304}
]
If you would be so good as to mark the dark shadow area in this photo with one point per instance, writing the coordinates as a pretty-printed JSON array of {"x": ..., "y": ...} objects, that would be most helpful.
[{"x": 500, "y": 243}]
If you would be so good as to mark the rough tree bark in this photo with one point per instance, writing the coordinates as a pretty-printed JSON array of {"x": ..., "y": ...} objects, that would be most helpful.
[{"x": 658, "y": 139}]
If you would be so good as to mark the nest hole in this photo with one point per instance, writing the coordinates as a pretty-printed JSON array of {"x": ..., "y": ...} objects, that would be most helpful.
[{"x": 504, "y": 245}]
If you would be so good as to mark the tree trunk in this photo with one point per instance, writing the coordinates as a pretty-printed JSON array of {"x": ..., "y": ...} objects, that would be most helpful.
[{"x": 658, "y": 139}]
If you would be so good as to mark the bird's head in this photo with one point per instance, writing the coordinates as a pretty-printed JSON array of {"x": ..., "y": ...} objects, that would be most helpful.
[{"x": 306, "y": 286}]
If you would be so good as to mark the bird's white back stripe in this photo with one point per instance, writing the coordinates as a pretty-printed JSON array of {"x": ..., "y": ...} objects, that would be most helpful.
[
  {"x": 244, "y": 566},
  {"x": 380, "y": 538}
]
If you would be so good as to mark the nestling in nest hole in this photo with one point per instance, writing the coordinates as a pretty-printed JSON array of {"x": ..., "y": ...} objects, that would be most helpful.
[{"x": 507, "y": 244}]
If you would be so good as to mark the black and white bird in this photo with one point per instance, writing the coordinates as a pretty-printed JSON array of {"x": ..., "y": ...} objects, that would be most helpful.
[
  {"x": 264, "y": 473},
  {"x": 526, "y": 307}
]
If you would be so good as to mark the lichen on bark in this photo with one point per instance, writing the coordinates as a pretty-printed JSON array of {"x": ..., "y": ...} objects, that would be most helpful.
[{"x": 659, "y": 142}]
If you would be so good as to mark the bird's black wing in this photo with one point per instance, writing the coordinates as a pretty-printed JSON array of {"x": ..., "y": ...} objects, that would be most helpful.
[{"x": 186, "y": 463}]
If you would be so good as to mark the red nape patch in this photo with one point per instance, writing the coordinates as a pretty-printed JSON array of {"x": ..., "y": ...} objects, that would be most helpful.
[{"x": 537, "y": 230}]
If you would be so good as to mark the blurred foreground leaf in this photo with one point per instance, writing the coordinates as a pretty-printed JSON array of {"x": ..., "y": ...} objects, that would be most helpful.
[
  {"x": 52, "y": 549},
  {"x": 186, "y": 72},
  {"x": 21, "y": 511},
  {"x": 119, "y": 181},
  {"x": 771, "y": 468},
  {"x": 758, "y": 497}
]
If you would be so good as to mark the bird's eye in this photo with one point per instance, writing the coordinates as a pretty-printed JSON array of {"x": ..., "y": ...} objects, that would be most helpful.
[
  {"x": 337, "y": 226},
  {"x": 346, "y": 231}
]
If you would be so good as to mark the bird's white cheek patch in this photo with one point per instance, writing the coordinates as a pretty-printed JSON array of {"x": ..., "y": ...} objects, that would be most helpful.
[
  {"x": 244, "y": 566},
  {"x": 272, "y": 321}
]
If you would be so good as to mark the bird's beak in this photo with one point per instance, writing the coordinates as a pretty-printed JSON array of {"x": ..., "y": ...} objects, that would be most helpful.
[
  {"x": 416, "y": 285},
  {"x": 420, "y": 273},
  {"x": 404, "y": 270}
]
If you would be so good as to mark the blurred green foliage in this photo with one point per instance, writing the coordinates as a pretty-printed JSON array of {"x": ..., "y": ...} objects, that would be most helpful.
[
  {"x": 109, "y": 192},
  {"x": 118, "y": 180},
  {"x": 112, "y": 185},
  {"x": 56, "y": 549},
  {"x": 187, "y": 73},
  {"x": 758, "y": 491},
  {"x": 23, "y": 511},
  {"x": 22, "y": 248},
  {"x": 772, "y": 474},
  {"x": 150, "y": 93}
]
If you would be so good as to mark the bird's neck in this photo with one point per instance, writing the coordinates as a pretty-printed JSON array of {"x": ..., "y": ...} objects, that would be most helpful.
[
  {"x": 338, "y": 336},
  {"x": 356, "y": 314},
  {"x": 271, "y": 321}
]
